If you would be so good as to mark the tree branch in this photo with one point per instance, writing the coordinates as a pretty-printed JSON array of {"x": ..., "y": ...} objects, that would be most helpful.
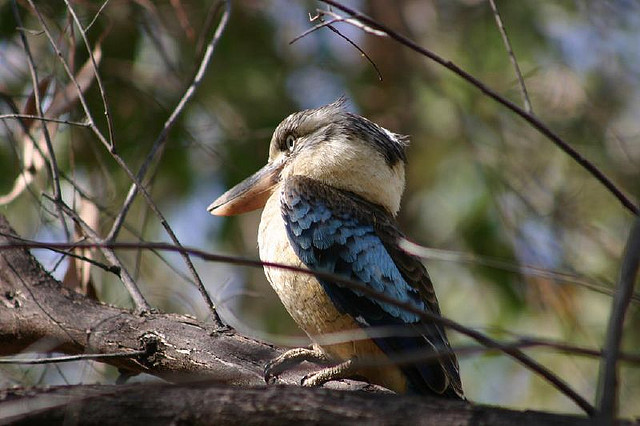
[
  {"x": 206, "y": 403},
  {"x": 530, "y": 118},
  {"x": 33, "y": 306},
  {"x": 608, "y": 386},
  {"x": 178, "y": 348}
]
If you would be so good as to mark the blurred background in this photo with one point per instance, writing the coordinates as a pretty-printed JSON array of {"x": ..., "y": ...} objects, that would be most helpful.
[{"x": 486, "y": 190}]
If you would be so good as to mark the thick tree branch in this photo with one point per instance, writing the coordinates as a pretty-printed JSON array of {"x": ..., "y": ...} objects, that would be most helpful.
[
  {"x": 34, "y": 306},
  {"x": 206, "y": 403},
  {"x": 179, "y": 348}
]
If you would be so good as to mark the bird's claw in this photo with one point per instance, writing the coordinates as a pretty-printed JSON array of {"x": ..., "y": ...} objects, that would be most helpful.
[
  {"x": 312, "y": 380},
  {"x": 270, "y": 371},
  {"x": 290, "y": 359},
  {"x": 343, "y": 370}
]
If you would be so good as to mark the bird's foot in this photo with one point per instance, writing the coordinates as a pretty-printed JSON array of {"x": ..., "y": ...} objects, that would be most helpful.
[
  {"x": 344, "y": 370},
  {"x": 292, "y": 358}
]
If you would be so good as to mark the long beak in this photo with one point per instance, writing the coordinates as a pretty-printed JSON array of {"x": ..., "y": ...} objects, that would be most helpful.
[{"x": 250, "y": 194}]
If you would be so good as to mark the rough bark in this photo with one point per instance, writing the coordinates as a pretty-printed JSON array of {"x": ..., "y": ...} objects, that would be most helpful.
[
  {"x": 35, "y": 306},
  {"x": 205, "y": 403}
]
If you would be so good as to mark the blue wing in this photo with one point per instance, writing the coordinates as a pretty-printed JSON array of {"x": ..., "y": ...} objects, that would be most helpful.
[{"x": 339, "y": 232}]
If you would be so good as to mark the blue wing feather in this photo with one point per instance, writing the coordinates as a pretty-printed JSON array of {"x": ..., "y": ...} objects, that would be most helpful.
[{"x": 335, "y": 231}]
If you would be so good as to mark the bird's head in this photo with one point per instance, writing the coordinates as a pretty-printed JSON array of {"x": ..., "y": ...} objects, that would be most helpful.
[{"x": 330, "y": 145}]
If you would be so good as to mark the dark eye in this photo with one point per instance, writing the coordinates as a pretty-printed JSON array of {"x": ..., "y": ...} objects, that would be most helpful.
[{"x": 290, "y": 143}]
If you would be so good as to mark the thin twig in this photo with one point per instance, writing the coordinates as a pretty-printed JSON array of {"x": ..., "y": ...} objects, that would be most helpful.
[
  {"x": 373, "y": 64},
  {"x": 170, "y": 122},
  {"x": 315, "y": 27},
  {"x": 95, "y": 18},
  {"x": 158, "y": 145},
  {"x": 507, "y": 44},
  {"x": 332, "y": 28},
  {"x": 206, "y": 27},
  {"x": 428, "y": 354},
  {"x": 103, "y": 95},
  {"x": 139, "y": 301},
  {"x": 531, "y": 119},
  {"x": 46, "y": 119},
  {"x": 608, "y": 383},
  {"x": 67, "y": 69},
  {"x": 128, "y": 227},
  {"x": 53, "y": 163},
  {"x": 428, "y": 253},
  {"x": 137, "y": 183},
  {"x": 481, "y": 338},
  {"x": 355, "y": 22},
  {"x": 70, "y": 358},
  {"x": 521, "y": 342},
  {"x": 67, "y": 252}
]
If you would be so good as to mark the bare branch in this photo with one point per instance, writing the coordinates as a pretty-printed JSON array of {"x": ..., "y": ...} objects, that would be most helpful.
[
  {"x": 57, "y": 192},
  {"x": 429, "y": 253},
  {"x": 211, "y": 403},
  {"x": 45, "y": 119},
  {"x": 366, "y": 21},
  {"x": 507, "y": 44},
  {"x": 138, "y": 299},
  {"x": 332, "y": 28},
  {"x": 608, "y": 386},
  {"x": 103, "y": 95},
  {"x": 373, "y": 64},
  {"x": 157, "y": 146},
  {"x": 170, "y": 122},
  {"x": 71, "y": 358},
  {"x": 74, "y": 81},
  {"x": 95, "y": 18},
  {"x": 481, "y": 338}
]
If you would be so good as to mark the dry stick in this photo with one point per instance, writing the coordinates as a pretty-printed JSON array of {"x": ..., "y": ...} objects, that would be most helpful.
[
  {"x": 531, "y": 119},
  {"x": 373, "y": 64},
  {"x": 160, "y": 143},
  {"x": 608, "y": 386},
  {"x": 428, "y": 354},
  {"x": 332, "y": 28},
  {"x": 138, "y": 299},
  {"x": 515, "y": 353},
  {"x": 66, "y": 252},
  {"x": 129, "y": 228},
  {"x": 53, "y": 164},
  {"x": 206, "y": 26},
  {"x": 427, "y": 253},
  {"x": 576, "y": 350},
  {"x": 69, "y": 358},
  {"x": 522, "y": 341},
  {"x": 341, "y": 336},
  {"x": 137, "y": 184},
  {"x": 95, "y": 18},
  {"x": 46, "y": 119},
  {"x": 65, "y": 65},
  {"x": 161, "y": 139},
  {"x": 512, "y": 57},
  {"x": 103, "y": 95}
]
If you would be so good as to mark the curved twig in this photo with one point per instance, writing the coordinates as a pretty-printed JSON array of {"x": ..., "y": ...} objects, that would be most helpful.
[
  {"x": 608, "y": 386},
  {"x": 531, "y": 119},
  {"x": 512, "y": 57}
]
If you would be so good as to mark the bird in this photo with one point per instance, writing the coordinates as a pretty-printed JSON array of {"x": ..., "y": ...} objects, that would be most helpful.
[{"x": 330, "y": 194}]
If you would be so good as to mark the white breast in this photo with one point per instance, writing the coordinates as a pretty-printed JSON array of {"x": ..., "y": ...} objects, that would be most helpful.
[{"x": 302, "y": 295}]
